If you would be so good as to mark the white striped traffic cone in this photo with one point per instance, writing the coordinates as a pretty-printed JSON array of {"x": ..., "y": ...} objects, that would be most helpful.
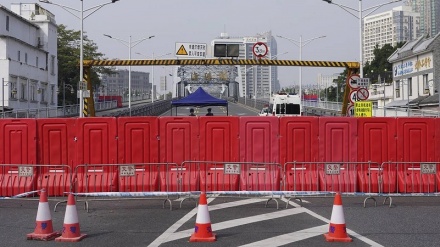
[
  {"x": 337, "y": 230},
  {"x": 71, "y": 231},
  {"x": 43, "y": 226},
  {"x": 203, "y": 230}
]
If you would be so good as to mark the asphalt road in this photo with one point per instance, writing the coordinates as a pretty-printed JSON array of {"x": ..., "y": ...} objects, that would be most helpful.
[{"x": 236, "y": 221}]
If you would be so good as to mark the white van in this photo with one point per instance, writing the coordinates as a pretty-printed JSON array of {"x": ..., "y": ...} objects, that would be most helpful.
[{"x": 284, "y": 104}]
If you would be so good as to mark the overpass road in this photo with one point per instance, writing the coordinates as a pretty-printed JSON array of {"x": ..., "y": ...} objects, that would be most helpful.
[
  {"x": 234, "y": 110},
  {"x": 236, "y": 221}
]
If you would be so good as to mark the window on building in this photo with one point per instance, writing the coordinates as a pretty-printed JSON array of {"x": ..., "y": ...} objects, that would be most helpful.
[
  {"x": 52, "y": 65},
  {"x": 25, "y": 58},
  {"x": 397, "y": 88},
  {"x": 22, "y": 90},
  {"x": 425, "y": 83},
  {"x": 18, "y": 56},
  {"x": 36, "y": 62},
  {"x": 7, "y": 23},
  {"x": 43, "y": 93},
  {"x": 33, "y": 90},
  {"x": 52, "y": 93},
  {"x": 410, "y": 87}
]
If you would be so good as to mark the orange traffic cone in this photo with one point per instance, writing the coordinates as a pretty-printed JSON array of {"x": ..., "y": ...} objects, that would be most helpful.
[
  {"x": 71, "y": 231},
  {"x": 43, "y": 226},
  {"x": 203, "y": 230},
  {"x": 337, "y": 229}
]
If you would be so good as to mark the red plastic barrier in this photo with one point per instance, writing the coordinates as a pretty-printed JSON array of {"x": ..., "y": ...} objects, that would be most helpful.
[
  {"x": 338, "y": 144},
  {"x": 138, "y": 144},
  {"x": 259, "y": 144},
  {"x": 96, "y": 144},
  {"x": 377, "y": 144},
  {"x": 178, "y": 143},
  {"x": 56, "y": 147},
  {"x": 18, "y": 147},
  {"x": 415, "y": 143},
  {"x": 218, "y": 142},
  {"x": 437, "y": 147},
  {"x": 299, "y": 143}
]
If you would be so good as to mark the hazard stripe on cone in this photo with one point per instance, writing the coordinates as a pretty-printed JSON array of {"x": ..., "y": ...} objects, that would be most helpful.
[
  {"x": 337, "y": 215},
  {"x": 203, "y": 215}
]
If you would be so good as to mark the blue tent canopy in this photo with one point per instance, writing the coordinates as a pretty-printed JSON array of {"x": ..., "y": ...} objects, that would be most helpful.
[{"x": 199, "y": 98}]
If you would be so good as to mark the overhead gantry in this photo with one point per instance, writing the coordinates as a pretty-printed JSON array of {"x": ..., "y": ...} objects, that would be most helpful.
[{"x": 89, "y": 107}]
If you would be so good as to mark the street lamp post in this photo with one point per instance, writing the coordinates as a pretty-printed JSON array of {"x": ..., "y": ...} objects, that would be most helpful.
[
  {"x": 300, "y": 44},
  {"x": 245, "y": 82},
  {"x": 360, "y": 10},
  {"x": 130, "y": 45},
  {"x": 81, "y": 66}
]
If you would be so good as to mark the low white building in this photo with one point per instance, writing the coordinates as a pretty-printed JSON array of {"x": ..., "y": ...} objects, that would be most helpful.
[
  {"x": 415, "y": 79},
  {"x": 28, "y": 57}
]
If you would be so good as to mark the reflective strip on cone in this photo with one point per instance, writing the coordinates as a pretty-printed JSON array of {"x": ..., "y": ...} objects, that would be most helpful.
[
  {"x": 71, "y": 216},
  {"x": 43, "y": 213},
  {"x": 337, "y": 215},
  {"x": 203, "y": 215}
]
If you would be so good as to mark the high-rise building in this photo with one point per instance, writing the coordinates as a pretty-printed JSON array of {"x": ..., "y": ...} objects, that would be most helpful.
[
  {"x": 117, "y": 84},
  {"x": 400, "y": 24},
  {"x": 429, "y": 15},
  {"x": 254, "y": 80}
]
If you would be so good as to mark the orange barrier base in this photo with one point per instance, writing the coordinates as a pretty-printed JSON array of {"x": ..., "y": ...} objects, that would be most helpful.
[
  {"x": 43, "y": 237},
  {"x": 329, "y": 238},
  {"x": 74, "y": 239},
  {"x": 194, "y": 238}
]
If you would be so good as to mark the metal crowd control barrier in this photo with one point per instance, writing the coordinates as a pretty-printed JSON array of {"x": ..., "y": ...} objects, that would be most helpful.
[
  {"x": 166, "y": 180},
  {"x": 349, "y": 178},
  {"x": 23, "y": 179},
  {"x": 411, "y": 179},
  {"x": 254, "y": 179},
  {"x": 132, "y": 180}
]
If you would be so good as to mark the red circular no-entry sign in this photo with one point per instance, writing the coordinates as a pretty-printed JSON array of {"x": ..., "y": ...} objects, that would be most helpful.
[{"x": 362, "y": 94}]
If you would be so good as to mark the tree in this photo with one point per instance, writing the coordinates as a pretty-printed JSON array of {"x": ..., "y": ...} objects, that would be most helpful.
[
  {"x": 380, "y": 67},
  {"x": 68, "y": 62}
]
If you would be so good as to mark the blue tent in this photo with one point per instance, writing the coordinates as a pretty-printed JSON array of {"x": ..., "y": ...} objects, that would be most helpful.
[{"x": 199, "y": 98}]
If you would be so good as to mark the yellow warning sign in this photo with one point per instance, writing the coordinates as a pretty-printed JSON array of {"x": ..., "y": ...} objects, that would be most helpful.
[
  {"x": 363, "y": 109},
  {"x": 182, "y": 51}
]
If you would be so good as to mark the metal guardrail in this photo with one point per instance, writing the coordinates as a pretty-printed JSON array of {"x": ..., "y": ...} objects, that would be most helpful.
[
  {"x": 336, "y": 107},
  {"x": 104, "y": 108}
]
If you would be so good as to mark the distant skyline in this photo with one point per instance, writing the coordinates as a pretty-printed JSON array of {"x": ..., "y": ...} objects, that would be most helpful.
[{"x": 201, "y": 21}]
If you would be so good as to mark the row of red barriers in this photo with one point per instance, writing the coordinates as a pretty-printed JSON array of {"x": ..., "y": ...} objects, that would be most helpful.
[
  {"x": 358, "y": 177},
  {"x": 74, "y": 142}
]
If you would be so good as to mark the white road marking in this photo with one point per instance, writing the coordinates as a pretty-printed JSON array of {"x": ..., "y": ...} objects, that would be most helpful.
[
  {"x": 290, "y": 237},
  {"x": 238, "y": 222},
  {"x": 170, "y": 234},
  {"x": 163, "y": 238},
  {"x": 350, "y": 232}
]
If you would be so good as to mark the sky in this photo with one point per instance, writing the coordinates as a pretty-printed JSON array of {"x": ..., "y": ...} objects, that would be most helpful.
[{"x": 201, "y": 21}]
